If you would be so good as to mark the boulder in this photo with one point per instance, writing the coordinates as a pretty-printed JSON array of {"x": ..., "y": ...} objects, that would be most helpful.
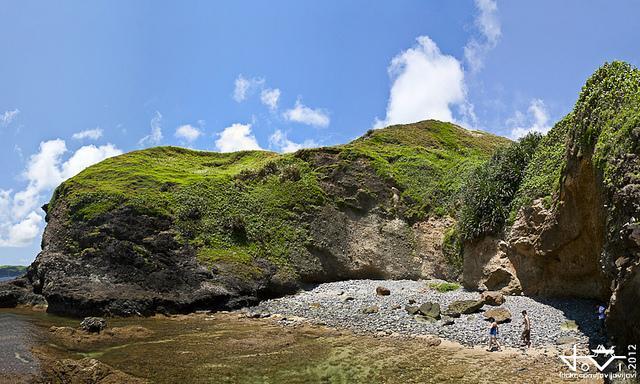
[
  {"x": 370, "y": 310},
  {"x": 93, "y": 324},
  {"x": 458, "y": 307},
  {"x": 500, "y": 315},
  {"x": 412, "y": 309},
  {"x": 383, "y": 291},
  {"x": 430, "y": 309},
  {"x": 494, "y": 298}
]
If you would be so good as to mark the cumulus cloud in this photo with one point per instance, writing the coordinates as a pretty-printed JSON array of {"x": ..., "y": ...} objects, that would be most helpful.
[
  {"x": 244, "y": 87},
  {"x": 8, "y": 116},
  {"x": 300, "y": 113},
  {"x": 237, "y": 137},
  {"x": 188, "y": 133},
  {"x": 20, "y": 223},
  {"x": 426, "y": 85},
  {"x": 535, "y": 120},
  {"x": 23, "y": 232},
  {"x": 270, "y": 97},
  {"x": 280, "y": 141},
  {"x": 93, "y": 134},
  {"x": 155, "y": 136},
  {"x": 488, "y": 25}
]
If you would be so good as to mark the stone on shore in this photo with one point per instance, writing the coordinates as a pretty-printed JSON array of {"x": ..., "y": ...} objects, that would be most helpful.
[
  {"x": 371, "y": 309},
  {"x": 466, "y": 307},
  {"x": 93, "y": 324},
  {"x": 494, "y": 298},
  {"x": 500, "y": 315},
  {"x": 431, "y": 310},
  {"x": 382, "y": 291}
]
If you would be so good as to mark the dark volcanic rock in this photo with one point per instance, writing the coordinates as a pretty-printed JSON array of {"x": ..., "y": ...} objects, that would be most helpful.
[
  {"x": 18, "y": 292},
  {"x": 93, "y": 324}
]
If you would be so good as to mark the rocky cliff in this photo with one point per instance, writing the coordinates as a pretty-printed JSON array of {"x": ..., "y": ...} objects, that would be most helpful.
[
  {"x": 572, "y": 229},
  {"x": 174, "y": 230}
]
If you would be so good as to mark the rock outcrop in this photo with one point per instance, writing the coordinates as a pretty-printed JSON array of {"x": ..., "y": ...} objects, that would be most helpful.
[{"x": 169, "y": 230}]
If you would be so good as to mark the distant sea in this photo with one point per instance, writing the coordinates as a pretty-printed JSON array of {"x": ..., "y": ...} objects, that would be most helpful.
[{"x": 7, "y": 278}]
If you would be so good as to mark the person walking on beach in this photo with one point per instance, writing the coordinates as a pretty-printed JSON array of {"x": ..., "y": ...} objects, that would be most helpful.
[
  {"x": 493, "y": 335},
  {"x": 526, "y": 332}
]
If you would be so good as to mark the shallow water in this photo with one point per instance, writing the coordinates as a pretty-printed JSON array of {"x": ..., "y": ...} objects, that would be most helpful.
[{"x": 224, "y": 348}]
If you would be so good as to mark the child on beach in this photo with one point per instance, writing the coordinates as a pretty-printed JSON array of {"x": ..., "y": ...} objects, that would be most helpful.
[{"x": 493, "y": 335}]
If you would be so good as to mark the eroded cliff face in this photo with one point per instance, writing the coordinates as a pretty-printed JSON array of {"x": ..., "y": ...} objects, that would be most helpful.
[
  {"x": 549, "y": 252},
  {"x": 577, "y": 233}
]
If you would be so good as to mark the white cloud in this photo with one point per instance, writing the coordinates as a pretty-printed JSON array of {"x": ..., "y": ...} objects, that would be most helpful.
[
  {"x": 244, "y": 87},
  {"x": 488, "y": 24},
  {"x": 305, "y": 115},
  {"x": 85, "y": 157},
  {"x": 23, "y": 232},
  {"x": 20, "y": 224},
  {"x": 536, "y": 120},
  {"x": 188, "y": 133},
  {"x": 280, "y": 141},
  {"x": 237, "y": 137},
  {"x": 155, "y": 137},
  {"x": 426, "y": 84},
  {"x": 8, "y": 116},
  {"x": 93, "y": 134},
  {"x": 270, "y": 97}
]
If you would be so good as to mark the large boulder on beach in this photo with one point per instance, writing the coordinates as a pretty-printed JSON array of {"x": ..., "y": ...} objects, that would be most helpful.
[
  {"x": 500, "y": 315},
  {"x": 494, "y": 298},
  {"x": 466, "y": 307},
  {"x": 431, "y": 310},
  {"x": 383, "y": 291}
]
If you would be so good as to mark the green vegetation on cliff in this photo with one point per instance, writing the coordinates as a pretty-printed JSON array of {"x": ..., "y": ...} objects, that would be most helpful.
[
  {"x": 236, "y": 207},
  {"x": 604, "y": 124}
]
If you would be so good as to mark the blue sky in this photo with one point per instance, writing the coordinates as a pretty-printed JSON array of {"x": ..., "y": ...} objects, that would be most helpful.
[{"x": 81, "y": 81}]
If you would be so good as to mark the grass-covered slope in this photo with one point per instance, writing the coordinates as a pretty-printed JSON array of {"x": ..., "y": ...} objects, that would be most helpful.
[{"x": 238, "y": 206}]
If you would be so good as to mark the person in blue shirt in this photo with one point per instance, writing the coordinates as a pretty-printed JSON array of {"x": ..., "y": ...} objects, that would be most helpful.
[
  {"x": 601, "y": 317},
  {"x": 493, "y": 335}
]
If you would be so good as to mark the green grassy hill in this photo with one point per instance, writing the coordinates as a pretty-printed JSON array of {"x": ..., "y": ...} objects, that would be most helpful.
[{"x": 240, "y": 205}]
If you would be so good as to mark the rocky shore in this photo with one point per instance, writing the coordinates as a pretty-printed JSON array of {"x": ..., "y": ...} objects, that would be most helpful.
[{"x": 355, "y": 305}]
